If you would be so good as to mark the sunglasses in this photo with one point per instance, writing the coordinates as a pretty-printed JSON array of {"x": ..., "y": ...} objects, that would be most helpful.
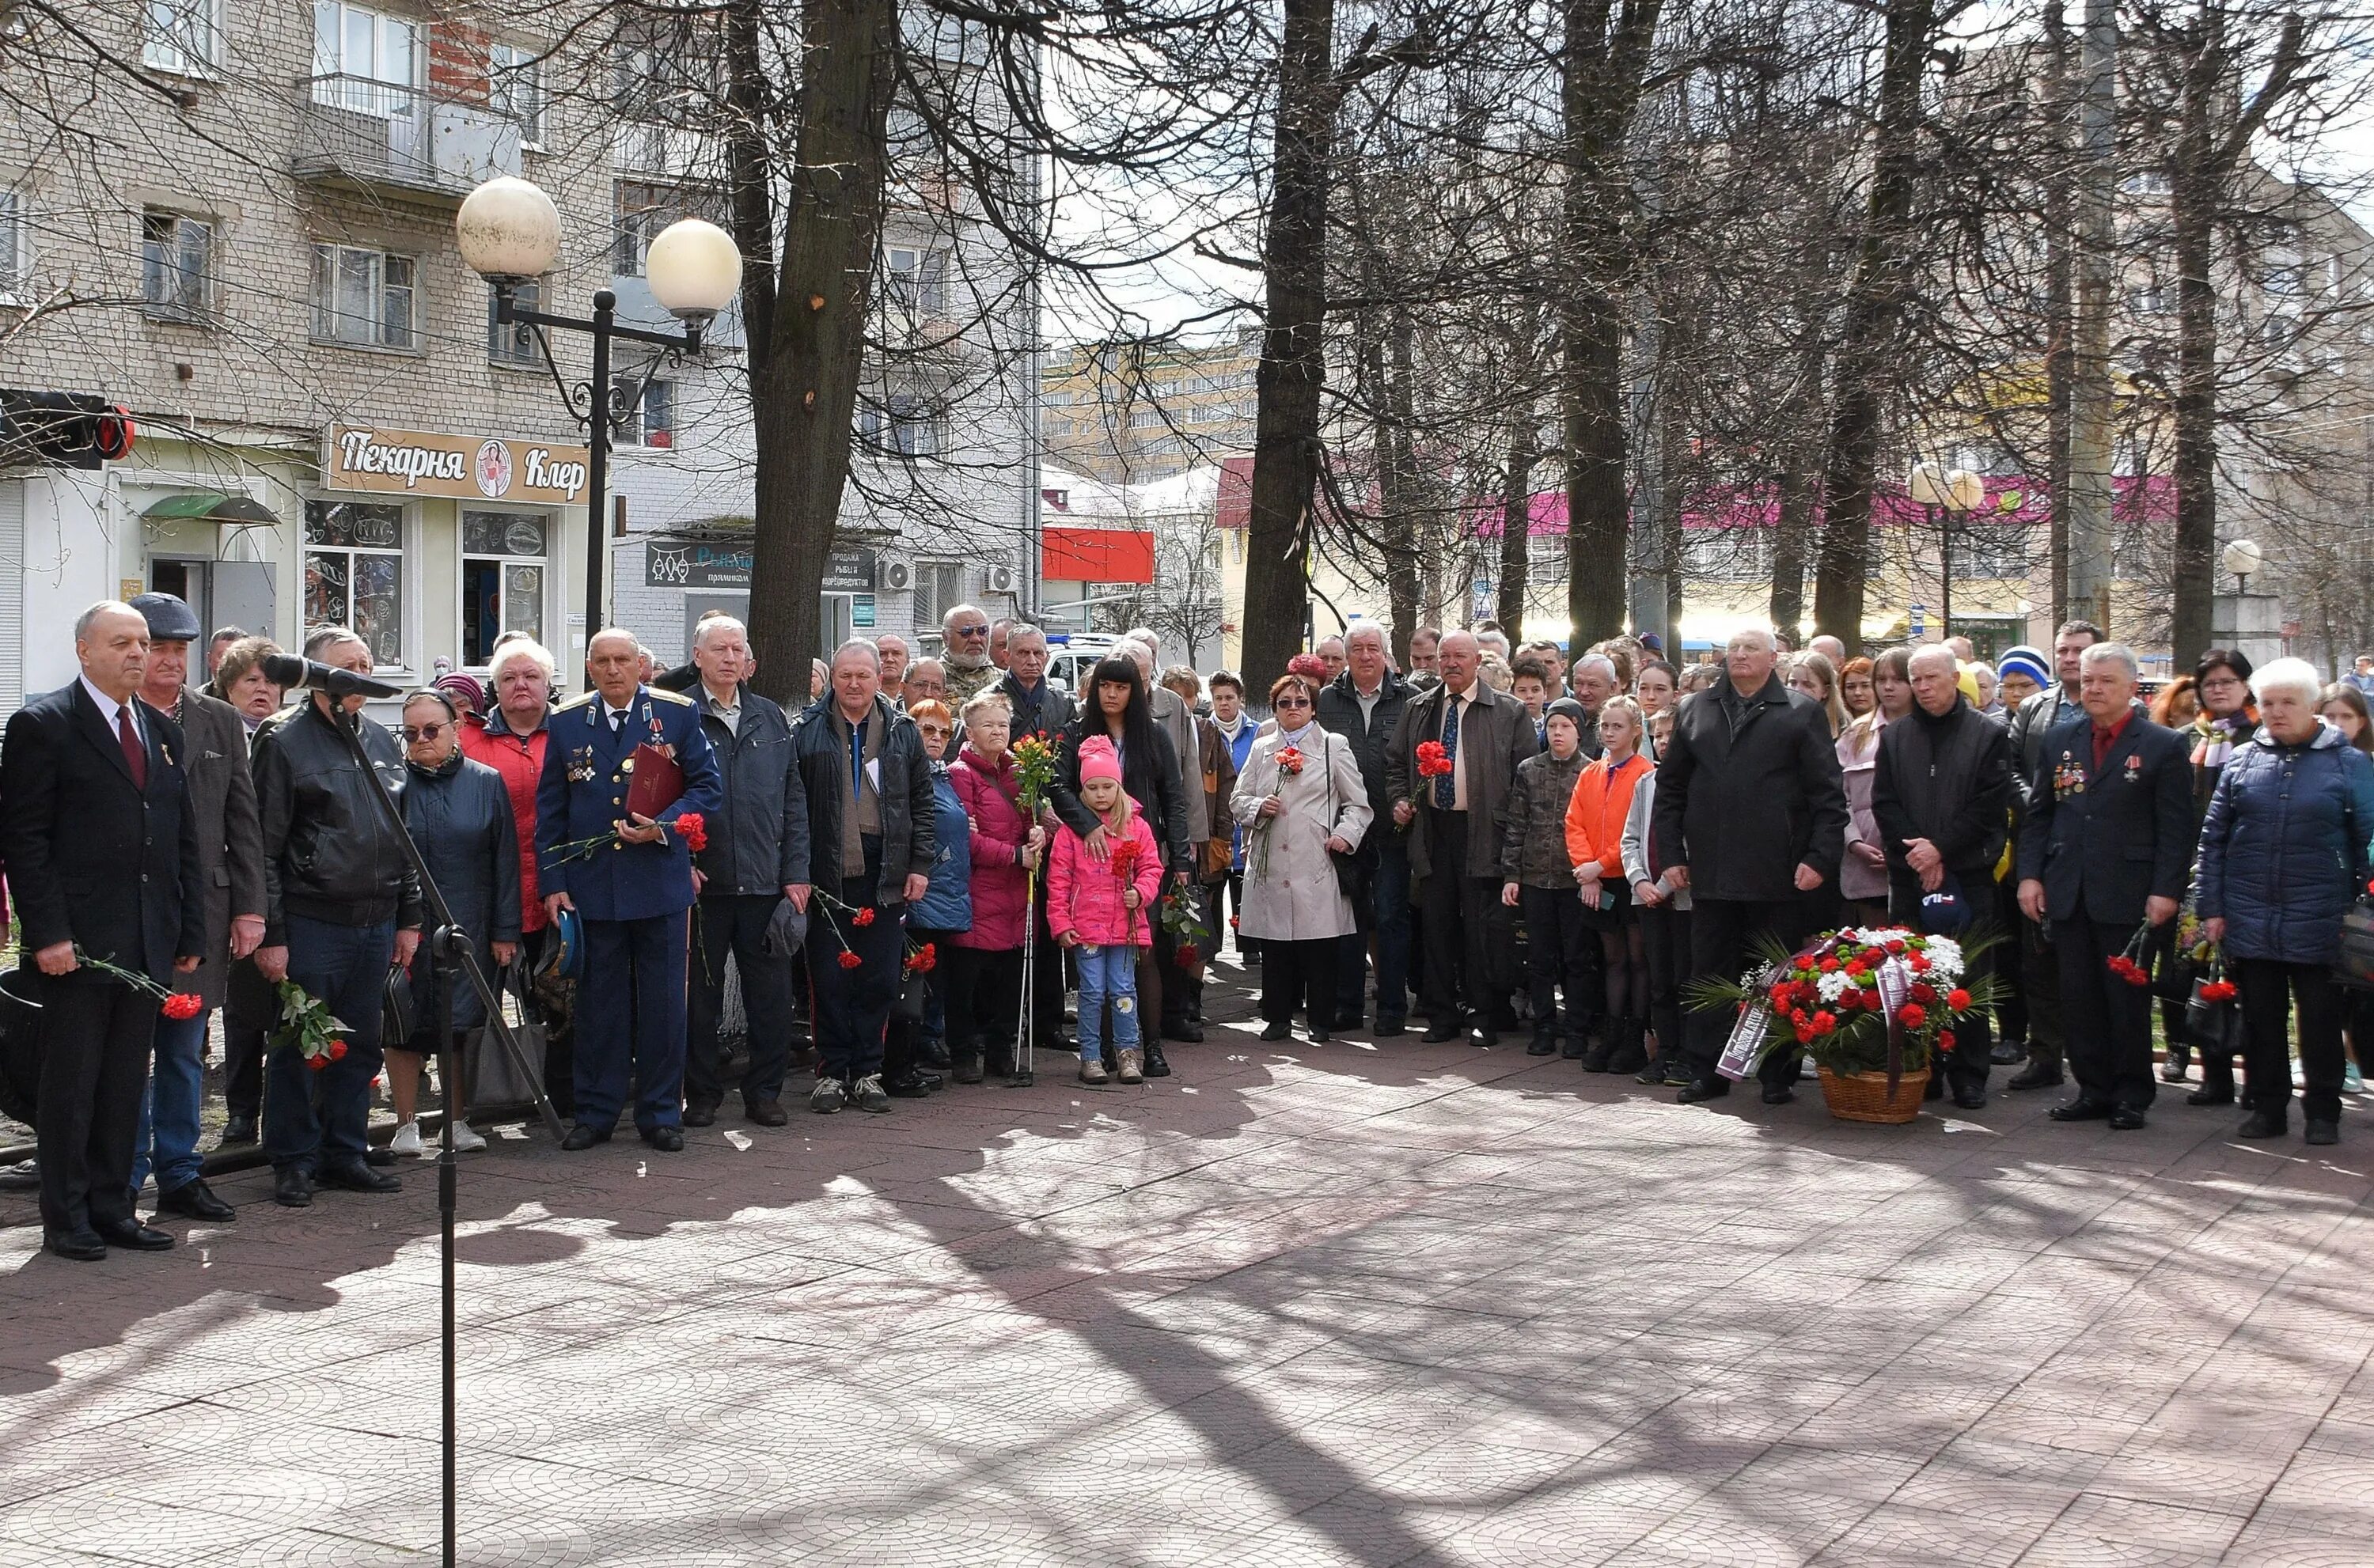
[
  {"x": 942, "y": 731},
  {"x": 1292, "y": 702},
  {"x": 981, "y": 630},
  {"x": 425, "y": 732}
]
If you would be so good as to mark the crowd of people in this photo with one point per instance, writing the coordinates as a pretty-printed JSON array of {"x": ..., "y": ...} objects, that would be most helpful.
[{"x": 948, "y": 867}]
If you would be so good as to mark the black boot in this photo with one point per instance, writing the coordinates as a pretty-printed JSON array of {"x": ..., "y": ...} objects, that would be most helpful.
[
  {"x": 1156, "y": 1064},
  {"x": 1544, "y": 1042},
  {"x": 968, "y": 1067},
  {"x": 1600, "y": 1055},
  {"x": 1630, "y": 1053},
  {"x": 2179, "y": 1063},
  {"x": 1577, "y": 1040}
]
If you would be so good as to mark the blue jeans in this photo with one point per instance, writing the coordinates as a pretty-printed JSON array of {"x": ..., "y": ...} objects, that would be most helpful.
[
  {"x": 168, "y": 1141},
  {"x": 1106, "y": 972},
  {"x": 1393, "y": 927},
  {"x": 317, "y": 1117}
]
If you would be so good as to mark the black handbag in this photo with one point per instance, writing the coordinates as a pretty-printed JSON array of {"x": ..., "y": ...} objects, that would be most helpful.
[
  {"x": 395, "y": 1008},
  {"x": 1355, "y": 872},
  {"x": 2175, "y": 976},
  {"x": 489, "y": 1077},
  {"x": 913, "y": 994},
  {"x": 2355, "y": 967},
  {"x": 2208, "y": 1025}
]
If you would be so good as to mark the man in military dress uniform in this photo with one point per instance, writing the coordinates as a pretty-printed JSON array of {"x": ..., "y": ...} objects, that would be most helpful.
[{"x": 630, "y": 890}]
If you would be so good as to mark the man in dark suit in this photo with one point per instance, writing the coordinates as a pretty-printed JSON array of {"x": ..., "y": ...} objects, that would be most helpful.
[
  {"x": 2106, "y": 844},
  {"x": 1751, "y": 815},
  {"x": 1456, "y": 822},
  {"x": 95, "y": 833},
  {"x": 631, "y": 894},
  {"x": 231, "y": 866}
]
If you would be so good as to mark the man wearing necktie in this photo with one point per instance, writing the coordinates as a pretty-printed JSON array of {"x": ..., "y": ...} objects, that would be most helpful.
[
  {"x": 631, "y": 892},
  {"x": 105, "y": 865},
  {"x": 1454, "y": 822}
]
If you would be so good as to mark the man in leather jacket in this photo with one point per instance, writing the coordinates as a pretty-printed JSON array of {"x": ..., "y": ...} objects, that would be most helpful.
[{"x": 342, "y": 904}]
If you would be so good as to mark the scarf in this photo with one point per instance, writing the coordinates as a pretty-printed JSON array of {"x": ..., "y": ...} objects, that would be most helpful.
[
  {"x": 2215, "y": 739},
  {"x": 1234, "y": 727}
]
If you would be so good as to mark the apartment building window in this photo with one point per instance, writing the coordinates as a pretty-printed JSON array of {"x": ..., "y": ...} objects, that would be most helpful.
[
  {"x": 2148, "y": 300},
  {"x": 939, "y": 588},
  {"x": 16, "y": 245},
  {"x": 653, "y": 421},
  {"x": 1989, "y": 550},
  {"x": 2146, "y": 183},
  {"x": 902, "y": 423},
  {"x": 1727, "y": 554},
  {"x": 919, "y": 280},
  {"x": 183, "y": 36},
  {"x": 503, "y": 559},
  {"x": 364, "y": 299},
  {"x": 176, "y": 266},
  {"x": 515, "y": 344},
  {"x": 515, "y": 89},
  {"x": 645, "y": 208},
  {"x": 354, "y": 573},
  {"x": 363, "y": 61},
  {"x": 2283, "y": 280}
]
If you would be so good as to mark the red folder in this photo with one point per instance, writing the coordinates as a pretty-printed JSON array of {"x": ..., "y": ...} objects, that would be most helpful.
[{"x": 657, "y": 783}]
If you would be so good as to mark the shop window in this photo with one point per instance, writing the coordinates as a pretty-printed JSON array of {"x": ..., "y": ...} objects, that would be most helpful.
[
  {"x": 363, "y": 298},
  {"x": 176, "y": 266},
  {"x": 503, "y": 560},
  {"x": 354, "y": 574}
]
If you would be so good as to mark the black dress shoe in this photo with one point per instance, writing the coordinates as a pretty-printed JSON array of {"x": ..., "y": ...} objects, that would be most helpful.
[
  {"x": 766, "y": 1112},
  {"x": 666, "y": 1139},
  {"x": 2082, "y": 1109},
  {"x": 702, "y": 1113},
  {"x": 2037, "y": 1074},
  {"x": 238, "y": 1129},
  {"x": 2264, "y": 1124},
  {"x": 2206, "y": 1097},
  {"x": 1779, "y": 1093},
  {"x": 2127, "y": 1118},
  {"x": 1707, "y": 1088},
  {"x": 83, "y": 1246},
  {"x": 2322, "y": 1132},
  {"x": 2006, "y": 1052},
  {"x": 934, "y": 1055},
  {"x": 134, "y": 1235},
  {"x": 1388, "y": 1027},
  {"x": 1438, "y": 1032},
  {"x": 933, "y": 1082},
  {"x": 195, "y": 1200},
  {"x": 1320, "y": 1037},
  {"x": 379, "y": 1157},
  {"x": 1542, "y": 1045},
  {"x": 968, "y": 1067},
  {"x": 1277, "y": 1029},
  {"x": 1487, "y": 1038},
  {"x": 584, "y": 1135},
  {"x": 905, "y": 1086},
  {"x": 2179, "y": 1063},
  {"x": 356, "y": 1177},
  {"x": 292, "y": 1188},
  {"x": 1970, "y": 1099},
  {"x": 1156, "y": 1064}
]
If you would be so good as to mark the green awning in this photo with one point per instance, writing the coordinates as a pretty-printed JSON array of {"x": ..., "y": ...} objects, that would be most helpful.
[{"x": 212, "y": 506}]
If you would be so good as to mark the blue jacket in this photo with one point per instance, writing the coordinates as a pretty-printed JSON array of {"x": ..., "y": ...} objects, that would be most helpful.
[
  {"x": 2282, "y": 848},
  {"x": 946, "y": 905},
  {"x": 582, "y": 795}
]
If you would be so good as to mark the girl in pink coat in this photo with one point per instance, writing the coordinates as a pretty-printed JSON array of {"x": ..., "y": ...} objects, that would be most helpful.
[{"x": 1105, "y": 912}]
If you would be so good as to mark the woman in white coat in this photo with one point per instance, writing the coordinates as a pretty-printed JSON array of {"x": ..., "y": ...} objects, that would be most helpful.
[{"x": 1302, "y": 800}]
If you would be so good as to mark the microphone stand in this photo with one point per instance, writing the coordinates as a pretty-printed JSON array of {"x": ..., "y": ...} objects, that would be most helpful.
[{"x": 450, "y": 940}]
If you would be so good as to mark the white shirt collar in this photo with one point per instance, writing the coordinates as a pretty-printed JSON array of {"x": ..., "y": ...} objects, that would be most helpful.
[{"x": 109, "y": 706}]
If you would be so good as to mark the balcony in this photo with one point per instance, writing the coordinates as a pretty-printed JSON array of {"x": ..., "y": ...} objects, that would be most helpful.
[{"x": 379, "y": 138}]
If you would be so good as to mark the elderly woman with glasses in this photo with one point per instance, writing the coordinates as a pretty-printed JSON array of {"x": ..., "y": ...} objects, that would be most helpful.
[
  {"x": 937, "y": 920},
  {"x": 1303, "y": 802},
  {"x": 460, "y": 815},
  {"x": 2283, "y": 854}
]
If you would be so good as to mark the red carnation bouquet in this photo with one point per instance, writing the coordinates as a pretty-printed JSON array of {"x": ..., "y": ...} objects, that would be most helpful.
[
  {"x": 176, "y": 1005},
  {"x": 306, "y": 1023},
  {"x": 2134, "y": 965},
  {"x": 1870, "y": 999},
  {"x": 1433, "y": 762}
]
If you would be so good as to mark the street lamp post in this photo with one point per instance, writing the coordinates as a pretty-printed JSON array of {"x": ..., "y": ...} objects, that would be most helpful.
[
  {"x": 1947, "y": 494},
  {"x": 509, "y": 232}
]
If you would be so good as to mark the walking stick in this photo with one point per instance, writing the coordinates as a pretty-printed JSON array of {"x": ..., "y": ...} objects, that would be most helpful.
[{"x": 1023, "y": 1075}]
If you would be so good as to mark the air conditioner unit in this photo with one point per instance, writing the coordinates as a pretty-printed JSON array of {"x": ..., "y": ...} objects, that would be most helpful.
[
  {"x": 1001, "y": 579},
  {"x": 898, "y": 577}
]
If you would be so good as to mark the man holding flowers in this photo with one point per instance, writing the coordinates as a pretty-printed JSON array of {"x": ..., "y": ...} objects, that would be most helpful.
[{"x": 94, "y": 828}]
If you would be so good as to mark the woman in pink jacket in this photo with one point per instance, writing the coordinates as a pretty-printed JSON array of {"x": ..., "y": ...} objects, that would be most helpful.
[
  {"x": 986, "y": 963},
  {"x": 1104, "y": 912}
]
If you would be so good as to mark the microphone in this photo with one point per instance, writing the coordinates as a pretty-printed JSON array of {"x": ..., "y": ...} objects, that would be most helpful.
[{"x": 290, "y": 672}]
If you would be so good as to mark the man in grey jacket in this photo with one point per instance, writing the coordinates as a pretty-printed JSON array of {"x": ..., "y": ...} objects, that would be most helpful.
[
  {"x": 221, "y": 813},
  {"x": 1455, "y": 821},
  {"x": 741, "y": 879}
]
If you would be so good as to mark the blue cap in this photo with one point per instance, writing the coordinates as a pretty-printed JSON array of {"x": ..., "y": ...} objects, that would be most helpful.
[
  {"x": 169, "y": 620},
  {"x": 2026, "y": 660}
]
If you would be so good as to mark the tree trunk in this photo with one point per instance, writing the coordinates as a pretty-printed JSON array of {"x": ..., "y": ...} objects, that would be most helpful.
[
  {"x": 1517, "y": 525},
  {"x": 1403, "y": 496},
  {"x": 1868, "y": 349},
  {"x": 1293, "y": 369},
  {"x": 2059, "y": 285},
  {"x": 1792, "y": 529},
  {"x": 806, "y": 316},
  {"x": 2192, "y": 214},
  {"x": 1599, "y": 87}
]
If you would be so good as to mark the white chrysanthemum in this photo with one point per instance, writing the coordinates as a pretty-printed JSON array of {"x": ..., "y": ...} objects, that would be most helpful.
[
  {"x": 1834, "y": 985},
  {"x": 1945, "y": 957}
]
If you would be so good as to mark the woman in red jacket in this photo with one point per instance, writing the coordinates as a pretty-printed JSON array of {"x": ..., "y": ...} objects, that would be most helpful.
[
  {"x": 986, "y": 963},
  {"x": 509, "y": 738}
]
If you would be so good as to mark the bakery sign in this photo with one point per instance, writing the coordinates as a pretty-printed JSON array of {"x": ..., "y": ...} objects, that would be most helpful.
[{"x": 469, "y": 468}]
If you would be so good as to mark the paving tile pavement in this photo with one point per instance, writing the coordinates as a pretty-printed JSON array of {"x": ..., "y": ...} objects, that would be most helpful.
[{"x": 1366, "y": 1303}]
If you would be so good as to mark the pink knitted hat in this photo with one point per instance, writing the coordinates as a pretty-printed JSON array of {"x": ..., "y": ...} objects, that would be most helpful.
[{"x": 1098, "y": 760}]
